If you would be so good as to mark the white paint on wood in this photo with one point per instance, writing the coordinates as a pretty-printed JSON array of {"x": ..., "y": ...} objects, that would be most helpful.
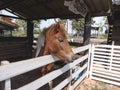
[
  {"x": 80, "y": 49},
  {"x": 67, "y": 80},
  {"x": 50, "y": 76},
  {"x": 7, "y": 81},
  {"x": 106, "y": 67}
]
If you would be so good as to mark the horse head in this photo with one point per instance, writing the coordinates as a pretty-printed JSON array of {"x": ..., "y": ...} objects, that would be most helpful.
[{"x": 55, "y": 42}]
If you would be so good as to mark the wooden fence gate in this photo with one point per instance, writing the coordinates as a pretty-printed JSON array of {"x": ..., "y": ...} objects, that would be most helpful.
[{"x": 105, "y": 64}]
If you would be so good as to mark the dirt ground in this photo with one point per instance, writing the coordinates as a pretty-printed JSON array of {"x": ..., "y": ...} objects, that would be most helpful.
[
  {"x": 88, "y": 84},
  {"x": 92, "y": 40}
]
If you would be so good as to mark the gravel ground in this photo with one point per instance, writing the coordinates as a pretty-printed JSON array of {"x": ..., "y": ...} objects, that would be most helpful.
[{"x": 89, "y": 84}]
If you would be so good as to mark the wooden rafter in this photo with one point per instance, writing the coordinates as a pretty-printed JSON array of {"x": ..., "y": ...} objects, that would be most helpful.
[
  {"x": 7, "y": 4},
  {"x": 19, "y": 16},
  {"x": 10, "y": 16}
]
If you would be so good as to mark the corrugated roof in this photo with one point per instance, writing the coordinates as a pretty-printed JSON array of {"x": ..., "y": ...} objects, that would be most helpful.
[{"x": 44, "y": 9}]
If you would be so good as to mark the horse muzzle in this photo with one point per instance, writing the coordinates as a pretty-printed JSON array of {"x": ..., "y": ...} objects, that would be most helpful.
[{"x": 70, "y": 59}]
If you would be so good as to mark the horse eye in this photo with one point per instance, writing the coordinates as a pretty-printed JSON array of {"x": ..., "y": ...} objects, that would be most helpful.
[{"x": 61, "y": 40}]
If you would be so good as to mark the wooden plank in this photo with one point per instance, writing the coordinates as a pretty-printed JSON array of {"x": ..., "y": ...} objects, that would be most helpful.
[
  {"x": 100, "y": 66},
  {"x": 30, "y": 64},
  {"x": 8, "y": 81},
  {"x": 24, "y": 66},
  {"x": 102, "y": 60},
  {"x": 102, "y": 53},
  {"x": 106, "y": 76},
  {"x": 101, "y": 56},
  {"x": 12, "y": 39},
  {"x": 80, "y": 49},
  {"x": 67, "y": 80},
  {"x": 101, "y": 63},
  {"x": 79, "y": 80},
  {"x": 102, "y": 49},
  {"x": 76, "y": 44},
  {"x": 103, "y": 70},
  {"x": 50, "y": 76}
]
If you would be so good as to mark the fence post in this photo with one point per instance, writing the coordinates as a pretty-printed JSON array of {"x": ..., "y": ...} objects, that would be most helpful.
[
  {"x": 7, "y": 85},
  {"x": 89, "y": 54},
  {"x": 92, "y": 57},
  {"x": 111, "y": 55},
  {"x": 70, "y": 84}
]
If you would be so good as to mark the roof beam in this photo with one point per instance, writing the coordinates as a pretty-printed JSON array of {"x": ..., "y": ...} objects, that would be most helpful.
[
  {"x": 19, "y": 16},
  {"x": 71, "y": 16},
  {"x": 10, "y": 16},
  {"x": 7, "y": 4},
  {"x": 100, "y": 14},
  {"x": 43, "y": 4}
]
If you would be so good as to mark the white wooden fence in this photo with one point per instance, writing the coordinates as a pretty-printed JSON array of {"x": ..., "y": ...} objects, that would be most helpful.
[
  {"x": 105, "y": 64},
  {"x": 13, "y": 69}
]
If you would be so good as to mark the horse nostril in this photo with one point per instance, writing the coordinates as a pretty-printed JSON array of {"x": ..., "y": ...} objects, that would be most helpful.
[
  {"x": 75, "y": 57},
  {"x": 71, "y": 58}
]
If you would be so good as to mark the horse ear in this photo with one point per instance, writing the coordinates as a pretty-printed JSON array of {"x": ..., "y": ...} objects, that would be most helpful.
[{"x": 57, "y": 25}]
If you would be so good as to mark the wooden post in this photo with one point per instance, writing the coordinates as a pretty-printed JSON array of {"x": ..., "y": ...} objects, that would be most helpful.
[
  {"x": 87, "y": 29},
  {"x": 7, "y": 83},
  {"x": 30, "y": 37},
  {"x": 87, "y": 34},
  {"x": 111, "y": 23}
]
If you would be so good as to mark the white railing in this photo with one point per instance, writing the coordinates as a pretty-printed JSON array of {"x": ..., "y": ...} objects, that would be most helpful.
[
  {"x": 13, "y": 69},
  {"x": 105, "y": 64}
]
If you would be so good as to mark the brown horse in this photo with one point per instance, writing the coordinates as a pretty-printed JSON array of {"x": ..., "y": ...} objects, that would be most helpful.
[{"x": 53, "y": 40}]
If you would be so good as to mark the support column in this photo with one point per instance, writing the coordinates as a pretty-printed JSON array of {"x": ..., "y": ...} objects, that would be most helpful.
[
  {"x": 30, "y": 37},
  {"x": 87, "y": 34},
  {"x": 110, "y": 31},
  {"x": 87, "y": 30}
]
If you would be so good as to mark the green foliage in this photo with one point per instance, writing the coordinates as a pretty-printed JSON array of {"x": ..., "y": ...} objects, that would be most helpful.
[
  {"x": 100, "y": 86},
  {"x": 62, "y": 21},
  {"x": 19, "y": 33},
  {"x": 21, "y": 23},
  {"x": 36, "y": 23},
  {"x": 73, "y": 46},
  {"x": 78, "y": 24},
  {"x": 36, "y": 31}
]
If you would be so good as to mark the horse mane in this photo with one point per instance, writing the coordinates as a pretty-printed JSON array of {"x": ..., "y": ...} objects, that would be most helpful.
[{"x": 41, "y": 40}]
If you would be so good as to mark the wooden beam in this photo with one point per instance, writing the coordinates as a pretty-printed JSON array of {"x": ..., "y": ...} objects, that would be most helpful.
[
  {"x": 100, "y": 14},
  {"x": 44, "y": 5},
  {"x": 30, "y": 37},
  {"x": 87, "y": 30},
  {"x": 9, "y": 3},
  {"x": 64, "y": 16},
  {"x": 10, "y": 16},
  {"x": 19, "y": 16}
]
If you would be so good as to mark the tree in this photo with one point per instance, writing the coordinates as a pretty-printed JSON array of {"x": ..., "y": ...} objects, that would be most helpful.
[
  {"x": 37, "y": 29},
  {"x": 62, "y": 21},
  {"x": 78, "y": 25},
  {"x": 21, "y": 23},
  {"x": 37, "y": 23}
]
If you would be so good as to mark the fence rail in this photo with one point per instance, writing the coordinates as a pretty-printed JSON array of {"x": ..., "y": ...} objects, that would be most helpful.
[
  {"x": 17, "y": 68},
  {"x": 105, "y": 64}
]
